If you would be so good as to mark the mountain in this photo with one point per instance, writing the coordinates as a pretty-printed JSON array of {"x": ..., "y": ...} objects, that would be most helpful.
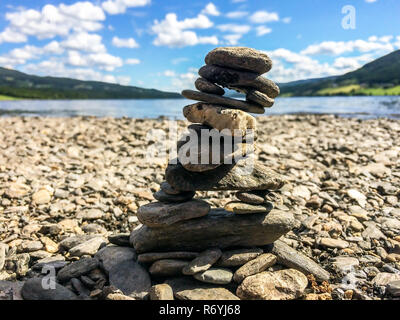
[
  {"x": 379, "y": 77},
  {"x": 20, "y": 85}
]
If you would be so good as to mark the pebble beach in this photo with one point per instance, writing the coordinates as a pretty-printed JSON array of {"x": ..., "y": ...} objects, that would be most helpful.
[{"x": 67, "y": 181}]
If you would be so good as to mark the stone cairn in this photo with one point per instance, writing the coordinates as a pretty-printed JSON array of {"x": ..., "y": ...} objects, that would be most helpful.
[{"x": 223, "y": 253}]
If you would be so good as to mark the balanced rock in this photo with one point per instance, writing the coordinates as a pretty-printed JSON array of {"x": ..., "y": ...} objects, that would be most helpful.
[
  {"x": 231, "y": 78},
  {"x": 236, "y": 122},
  {"x": 200, "y": 151},
  {"x": 257, "y": 97},
  {"x": 240, "y": 58},
  {"x": 206, "y": 86},
  {"x": 252, "y": 197},
  {"x": 168, "y": 189},
  {"x": 218, "y": 100},
  {"x": 245, "y": 208},
  {"x": 162, "y": 196},
  {"x": 226, "y": 177},
  {"x": 159, "y": 214},
  {"x": 219, "y": 228}
]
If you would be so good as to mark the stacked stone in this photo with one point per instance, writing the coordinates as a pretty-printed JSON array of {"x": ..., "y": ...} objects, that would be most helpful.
[{"x": 182, "y": 236}]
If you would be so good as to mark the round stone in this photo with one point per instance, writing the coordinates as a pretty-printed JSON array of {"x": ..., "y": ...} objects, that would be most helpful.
[
  {"x": 206, "y": 86},
  {"x": 252, "y": 197},
  {"x": 240, "y": 58}
]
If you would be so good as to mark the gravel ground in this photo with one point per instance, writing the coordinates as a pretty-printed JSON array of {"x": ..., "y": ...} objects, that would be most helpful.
[{"x": 63, "y": 177}]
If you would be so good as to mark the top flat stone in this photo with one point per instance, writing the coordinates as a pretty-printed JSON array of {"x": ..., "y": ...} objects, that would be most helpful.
[{"x": 240, "y": 58}]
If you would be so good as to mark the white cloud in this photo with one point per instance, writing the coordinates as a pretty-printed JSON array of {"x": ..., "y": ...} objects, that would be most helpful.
[
  {"x": 52, "y": 21},
  {"x": 233, "y": 39},
  {"x": 84, "y": 41},
  {"x": 179, "y": 60},
  {"x": 57, "y": 68},
  {"x": 236, "y": 14},
  {"x": 120, "y": 6},
  {"x": 263, "y": 30},
  {"x": 264, "y": 17},
  {"x": 132, "y": 61},
  {"x": 370, "y": 1},
  {"x": 124, "y": 43},
  {"x": 234, "y": 28},
  {"x": 102, "y": 60},
  {"x": 287, "y": 20},
  {"x": 174, "y": 33},
  {"x": 340, "y": 47},
  {"x": 211, "y": 10}
]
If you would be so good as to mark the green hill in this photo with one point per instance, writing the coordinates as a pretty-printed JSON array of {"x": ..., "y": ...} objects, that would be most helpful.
[
  {"x": 379, "y": 77},
  {"x": 15, "y": 84}
]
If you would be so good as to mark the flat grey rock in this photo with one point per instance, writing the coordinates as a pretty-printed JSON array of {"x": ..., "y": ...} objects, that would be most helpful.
[
  {"x": 291, "y": 258},
  {"x": 238, "y": 257},
  {"x": 240, "y": 58},
  {"x": 231, "y": 78},
  {"x": 206, "y": 86},
  {"x": 225, "y": 177},
  {"x": 215, "y": 276},
  {"x": 219, "y": 228},
  {"x": 223, "y": 101},
  {"x": 168, "y": 267},
  {"x": 254, "y": 96},
  {"x": 159, "y": 214}
]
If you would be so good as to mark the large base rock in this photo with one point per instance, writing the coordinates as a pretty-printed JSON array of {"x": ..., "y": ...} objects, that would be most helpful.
[{"x": 219, "y": 228}]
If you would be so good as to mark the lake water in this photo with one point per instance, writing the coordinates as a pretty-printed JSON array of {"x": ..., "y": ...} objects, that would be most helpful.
[{"x": 363, "y": 107}]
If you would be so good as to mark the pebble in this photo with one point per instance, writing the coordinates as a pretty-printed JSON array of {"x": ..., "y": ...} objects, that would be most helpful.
[
  {"x": 111, "y": 256},
  {"x": 43, "y": 196},
  {"x": 187, "y": 289},
  {"x": 89, "y": 247},
  {"x": 238, "y": 257},
  {"x": 245, "y": 208},
  {"x": 285, "y": 284},
  {"x": 202, "y": 262},
  {"x": 167, "y": 267},
  {"x": 394, "y": 288},
  {"x": 161, "y": 292},
  {"x": 254, "y": 197},
  {"x": 333, "y": 243},
  {"x": 259, "y": 264},
  {"x": 215, "y": 276}
]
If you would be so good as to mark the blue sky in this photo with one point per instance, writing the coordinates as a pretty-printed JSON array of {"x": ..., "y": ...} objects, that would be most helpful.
[{"x": 161, "y": 44}]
